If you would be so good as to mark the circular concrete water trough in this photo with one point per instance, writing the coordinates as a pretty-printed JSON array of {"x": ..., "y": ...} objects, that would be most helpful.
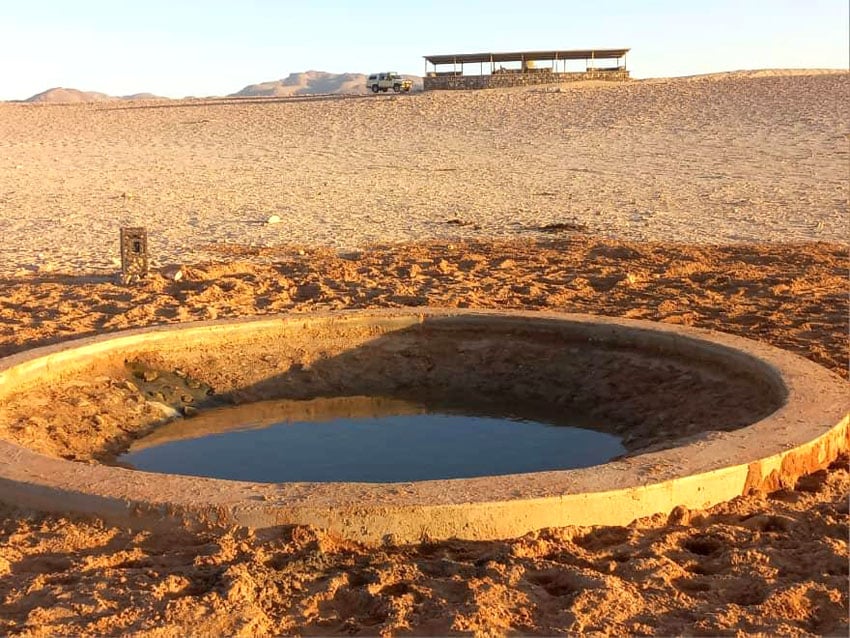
[{"x": 704, "y": 417}]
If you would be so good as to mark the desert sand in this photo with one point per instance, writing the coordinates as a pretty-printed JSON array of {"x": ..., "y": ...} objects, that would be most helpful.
[
  {"x": 702, "y": 160},
  {"x": 713, "y": 202}
]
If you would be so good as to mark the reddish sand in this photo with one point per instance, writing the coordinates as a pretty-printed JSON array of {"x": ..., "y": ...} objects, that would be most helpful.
[{"x": 768, "y": 564}]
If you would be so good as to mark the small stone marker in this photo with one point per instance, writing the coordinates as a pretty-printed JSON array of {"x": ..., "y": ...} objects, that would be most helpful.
[{"x": 134, "y": 253}]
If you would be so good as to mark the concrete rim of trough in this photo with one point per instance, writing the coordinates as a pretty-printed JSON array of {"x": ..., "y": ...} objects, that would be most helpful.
[{"x": 807, "y": 432}]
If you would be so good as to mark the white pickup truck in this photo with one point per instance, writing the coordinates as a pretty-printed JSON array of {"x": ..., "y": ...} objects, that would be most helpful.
[{"x": 386, "y": 81}]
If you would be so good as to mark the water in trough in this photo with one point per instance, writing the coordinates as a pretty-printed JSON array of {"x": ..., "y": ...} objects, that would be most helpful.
[{"x": 365, "y": 439}]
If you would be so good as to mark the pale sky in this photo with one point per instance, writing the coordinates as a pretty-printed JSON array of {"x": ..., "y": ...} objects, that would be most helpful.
[{"x": 177, "y": 48}]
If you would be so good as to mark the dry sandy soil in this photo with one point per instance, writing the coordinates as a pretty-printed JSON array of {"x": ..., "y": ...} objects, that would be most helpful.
[
  {"x": 711, "y": 159},
  {"x": 654, "y": 185}
]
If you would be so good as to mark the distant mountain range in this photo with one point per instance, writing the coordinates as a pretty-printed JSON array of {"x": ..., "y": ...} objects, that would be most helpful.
[
  {"x": 306, "y": 83},
  {"x": 65, "y": 96}
]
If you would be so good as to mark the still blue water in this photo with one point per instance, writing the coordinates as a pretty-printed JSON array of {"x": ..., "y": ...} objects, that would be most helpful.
[{"x": 377, "y": 449}]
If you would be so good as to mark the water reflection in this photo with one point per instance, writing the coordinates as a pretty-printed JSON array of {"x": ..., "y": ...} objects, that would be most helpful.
[{"x": 364, "y": 439}]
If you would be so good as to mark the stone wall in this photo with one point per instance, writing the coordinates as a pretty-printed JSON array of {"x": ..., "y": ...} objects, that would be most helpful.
[{"x": 505, "y": 79}]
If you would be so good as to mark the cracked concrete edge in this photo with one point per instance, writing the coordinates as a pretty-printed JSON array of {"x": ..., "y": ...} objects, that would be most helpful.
[{"x": 806, "y": 433}]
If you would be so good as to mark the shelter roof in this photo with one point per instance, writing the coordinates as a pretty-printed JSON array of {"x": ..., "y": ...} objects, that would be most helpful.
[{"x": 520, "y": 56}]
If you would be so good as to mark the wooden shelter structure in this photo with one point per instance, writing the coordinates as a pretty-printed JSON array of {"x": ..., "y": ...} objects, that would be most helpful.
[{"x": 524, "y": 68}]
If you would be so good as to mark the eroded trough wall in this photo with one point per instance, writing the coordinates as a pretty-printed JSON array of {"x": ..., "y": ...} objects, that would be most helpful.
[{"x": 336, "y": 354}]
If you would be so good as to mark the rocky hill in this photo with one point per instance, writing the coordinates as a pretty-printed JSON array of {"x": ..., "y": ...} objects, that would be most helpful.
[
  {"x": 143, "y": 96},
  {"x": 314, "y": 83},
  {"x": 61, "y": 95},
  {"x": 73, "y": 96}
]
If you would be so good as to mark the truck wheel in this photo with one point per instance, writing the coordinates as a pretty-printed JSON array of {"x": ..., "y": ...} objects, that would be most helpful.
[
  {"x": 374, "y": 88},
  {"x": 396, "y": 88}
]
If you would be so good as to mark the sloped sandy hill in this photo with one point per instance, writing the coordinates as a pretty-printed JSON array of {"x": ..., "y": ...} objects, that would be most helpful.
[
  {"x": 761, "y": 73},
  {"x": 719, "y": 76},
  {"x": 61, "y": 95},
  {"x": 731, "y": 160}
]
